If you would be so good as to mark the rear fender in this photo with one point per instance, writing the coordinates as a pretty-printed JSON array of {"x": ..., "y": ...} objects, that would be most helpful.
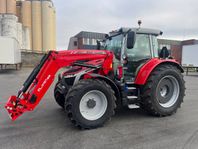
[{"x": 147, "y": 68}]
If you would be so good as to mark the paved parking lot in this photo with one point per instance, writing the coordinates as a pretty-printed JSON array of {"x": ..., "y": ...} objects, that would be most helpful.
[{"x": 47, "y": 127}]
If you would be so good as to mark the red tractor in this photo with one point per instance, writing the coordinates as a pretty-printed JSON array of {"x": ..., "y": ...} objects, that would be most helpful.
[{"x": 130, "y": 71}]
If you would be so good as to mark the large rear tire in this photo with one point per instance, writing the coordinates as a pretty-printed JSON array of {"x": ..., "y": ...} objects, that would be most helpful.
[
  {"x": 90, "y": 103},
  {"x": 164, "y": 91}
]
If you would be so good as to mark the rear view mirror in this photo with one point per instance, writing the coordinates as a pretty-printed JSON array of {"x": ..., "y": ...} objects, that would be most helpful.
[
  {"x": 131, "y": 40},
  {"x": 98, "y": 45}
]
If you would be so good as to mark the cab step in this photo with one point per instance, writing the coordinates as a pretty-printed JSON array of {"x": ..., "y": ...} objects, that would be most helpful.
[
  {"x": 132, "y": 97},
  {"x": 133, "y": 106}
]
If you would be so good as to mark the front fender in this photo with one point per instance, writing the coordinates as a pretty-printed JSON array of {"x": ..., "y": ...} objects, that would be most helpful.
[
  {"x": 108, "y": 81},
  {"x": 147, "y": 68}
]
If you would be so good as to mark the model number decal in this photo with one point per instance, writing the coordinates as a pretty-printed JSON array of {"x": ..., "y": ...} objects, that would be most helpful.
[{"x": 43, "y": 84}]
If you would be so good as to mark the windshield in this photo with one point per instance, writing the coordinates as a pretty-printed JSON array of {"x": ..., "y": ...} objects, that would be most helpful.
[{"x": 114, "y": 44}]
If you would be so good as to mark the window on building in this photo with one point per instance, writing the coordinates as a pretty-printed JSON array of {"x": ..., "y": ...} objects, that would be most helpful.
[
  {"x": 90, "y": 41},
  {"x": 85, "y": 41},
  {"x": 75, "y": 43},
  {"x": 94, "y": 41}
]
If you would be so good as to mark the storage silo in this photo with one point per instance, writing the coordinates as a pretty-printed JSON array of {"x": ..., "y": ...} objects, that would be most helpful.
[
  {"x": 2, "y": 6},
  {"x": 26, "y": 18},
  {"x": 36, "y": 26},
  {"x": 54, "y": 29},
  {"x": 11, "y": 7},
  {"x": 47, "y": 25},
  {"x": 9, "y": 26}
]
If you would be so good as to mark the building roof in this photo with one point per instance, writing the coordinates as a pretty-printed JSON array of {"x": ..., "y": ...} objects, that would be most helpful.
[
  {"x": 92, "y": 35},
  {"x": 169, "y": 41}
]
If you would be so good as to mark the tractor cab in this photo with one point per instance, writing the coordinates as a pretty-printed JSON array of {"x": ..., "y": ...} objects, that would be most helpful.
[{"x": 132, "y": 48}]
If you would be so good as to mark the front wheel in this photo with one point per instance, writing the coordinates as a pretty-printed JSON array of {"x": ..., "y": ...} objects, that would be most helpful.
[
  {"x": 164, "y": 91},
  {"x": 60, "y": 91},
  {"x": 90, "y": 103}
]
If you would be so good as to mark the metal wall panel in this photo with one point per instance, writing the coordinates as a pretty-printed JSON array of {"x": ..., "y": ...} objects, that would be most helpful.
[
  {"x": 189, "y": 55},
  {"x": 11, "y": 53}
]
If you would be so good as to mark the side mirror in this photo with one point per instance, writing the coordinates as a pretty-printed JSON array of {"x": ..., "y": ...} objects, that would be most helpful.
[
  {"x": 131, "y": 39},
  {"x": 98, "y": 45}
]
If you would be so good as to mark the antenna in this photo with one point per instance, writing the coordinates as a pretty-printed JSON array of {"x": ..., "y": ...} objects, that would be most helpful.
[{"x": 139, "y": 23}]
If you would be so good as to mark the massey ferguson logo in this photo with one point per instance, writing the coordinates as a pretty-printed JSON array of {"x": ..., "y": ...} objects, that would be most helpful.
[{"x": 43, "y": 84}]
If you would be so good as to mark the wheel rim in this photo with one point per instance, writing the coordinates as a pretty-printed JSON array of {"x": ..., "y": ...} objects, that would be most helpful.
[
  {"x": 167, "y": 92},
  {"x": 93, "y": 105}
]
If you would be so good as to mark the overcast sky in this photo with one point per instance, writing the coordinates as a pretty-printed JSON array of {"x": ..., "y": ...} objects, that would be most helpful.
[{"x": 178, "y": 19}]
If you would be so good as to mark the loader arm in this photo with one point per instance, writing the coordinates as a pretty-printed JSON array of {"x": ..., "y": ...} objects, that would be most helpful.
[{"x": 39, "y": 81}]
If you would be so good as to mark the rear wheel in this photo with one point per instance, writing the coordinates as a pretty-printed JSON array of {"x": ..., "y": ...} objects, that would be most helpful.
[
  {"x": 90, "y": 103},
  {"x": 164, "y": 91}
]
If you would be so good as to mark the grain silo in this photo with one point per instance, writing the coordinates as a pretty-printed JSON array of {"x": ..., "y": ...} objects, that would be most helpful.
[
  {"x": 36, "y": 26},
  {"x": 26, "y": 18},
  {"x": 54, "y": 29},
  {"x": 11, "y": 7},
  {"x": 47, "y": 25},
  {"x": 2, "y": 6}
]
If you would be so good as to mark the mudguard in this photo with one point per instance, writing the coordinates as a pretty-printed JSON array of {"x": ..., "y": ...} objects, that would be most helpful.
[
  {"x": 147, "y": 68},
  {"x": 110, "y": 82}
]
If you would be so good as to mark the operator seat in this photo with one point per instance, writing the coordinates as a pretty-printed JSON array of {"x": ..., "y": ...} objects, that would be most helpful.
[{"x": 164, "y": 53}]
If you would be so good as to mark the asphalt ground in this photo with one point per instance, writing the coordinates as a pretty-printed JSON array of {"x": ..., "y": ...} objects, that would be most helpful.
[{"x": 48, "y": 127}]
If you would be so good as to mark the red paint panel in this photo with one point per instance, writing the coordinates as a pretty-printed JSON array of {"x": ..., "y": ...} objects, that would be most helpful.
[{"x": 146, "y": 70}]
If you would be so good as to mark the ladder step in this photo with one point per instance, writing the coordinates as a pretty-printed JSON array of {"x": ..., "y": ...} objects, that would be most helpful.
[
  {"x": 132, "y": 97},
  {"x": 131, "y": 88},
  {"x": 129, "y": 82},
  {"x": 132, "y": 106}
]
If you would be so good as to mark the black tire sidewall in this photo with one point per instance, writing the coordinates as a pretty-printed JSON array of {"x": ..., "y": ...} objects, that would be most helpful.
[
  {"x": 156, "y": 105},
  {"x": 76, "y": 102},
  {"x": 59, "y": 100}
]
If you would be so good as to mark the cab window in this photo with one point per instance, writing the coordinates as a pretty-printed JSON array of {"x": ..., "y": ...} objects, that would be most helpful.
[
  {"x": 141, "y": 50},
  {"x": 155, "y": 46}
]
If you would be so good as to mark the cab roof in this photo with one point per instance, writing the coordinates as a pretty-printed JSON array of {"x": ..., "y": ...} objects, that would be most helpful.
[{"x": 142, "y": 31}]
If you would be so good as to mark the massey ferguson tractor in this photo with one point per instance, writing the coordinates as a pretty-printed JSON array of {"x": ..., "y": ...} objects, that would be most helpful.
[{"x": 129, "y": 71}]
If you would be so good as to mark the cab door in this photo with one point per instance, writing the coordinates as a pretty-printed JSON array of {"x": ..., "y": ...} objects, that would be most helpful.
[{"x": 138, "y": 56}]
